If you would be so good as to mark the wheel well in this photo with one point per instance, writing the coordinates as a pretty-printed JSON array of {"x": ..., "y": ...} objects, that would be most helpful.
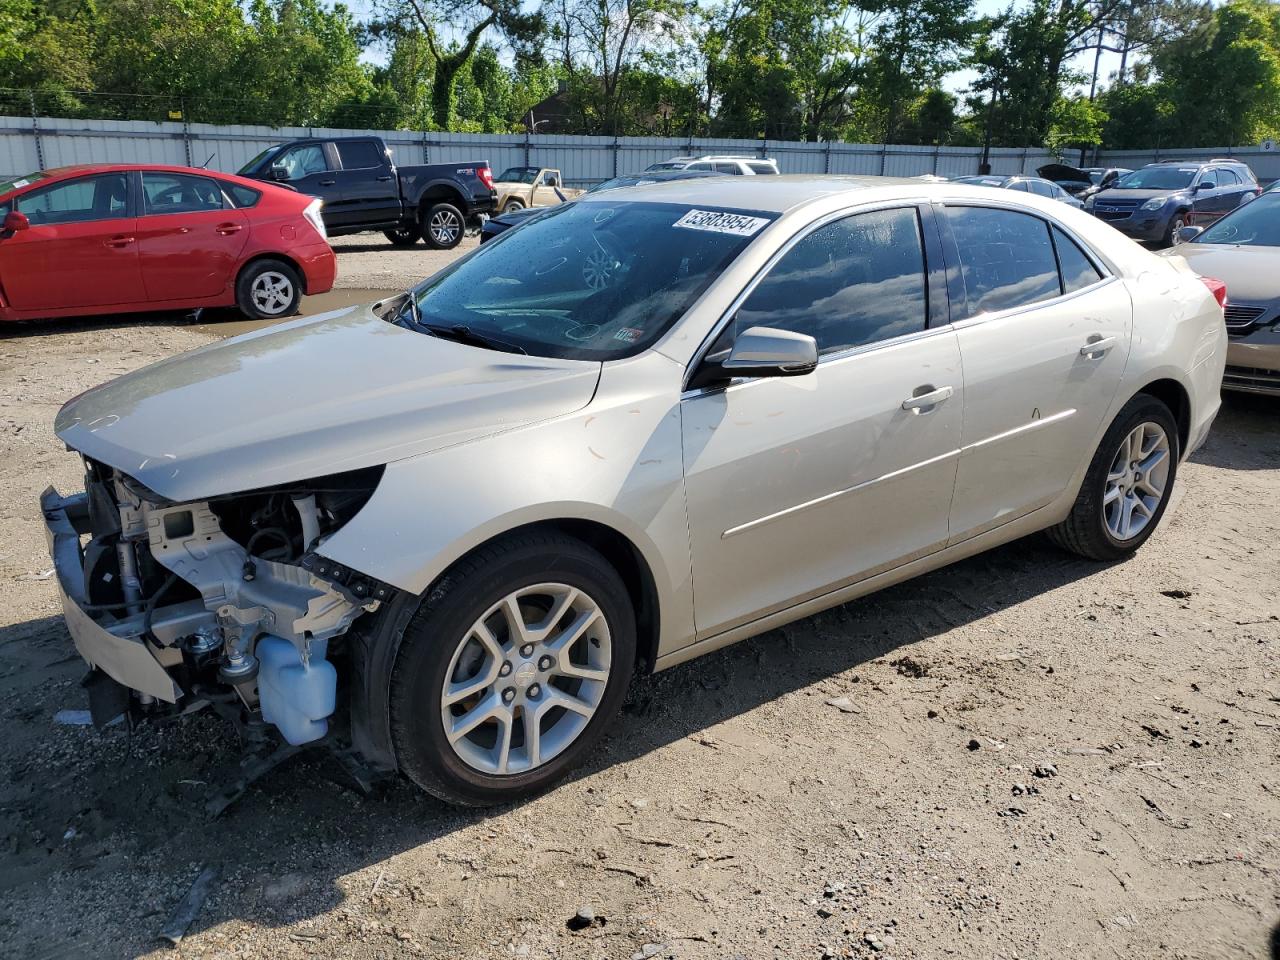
[
  {"x": 438, "y": 193},
  {"x": 302, "y": 277},
  {"x": 1174, "y": 396},
  {"x": 625, "y": 559}
]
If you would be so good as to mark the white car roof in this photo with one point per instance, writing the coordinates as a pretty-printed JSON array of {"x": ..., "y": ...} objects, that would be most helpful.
[{"x": 802, "y": 197}]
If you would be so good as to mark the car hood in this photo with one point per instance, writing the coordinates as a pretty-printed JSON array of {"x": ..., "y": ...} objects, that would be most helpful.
[
  {"x": 311, "y": 398},
  {"x": 1062, "y": 171},
  {"x": 1103, "y": 196},
  {"x": 1252, "y": 274}
]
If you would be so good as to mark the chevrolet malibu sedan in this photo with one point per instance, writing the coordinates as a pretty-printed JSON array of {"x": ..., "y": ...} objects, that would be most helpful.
[
  {"x": 445, "y": 530},
  {"x": 121, "y": 239},
  {"x": 1243, "y": 249}
]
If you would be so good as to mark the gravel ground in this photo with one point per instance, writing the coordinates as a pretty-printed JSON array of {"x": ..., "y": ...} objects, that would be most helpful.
[
  {"x": 1023, "y": 755},
  {"x": 367, "y": 262}
]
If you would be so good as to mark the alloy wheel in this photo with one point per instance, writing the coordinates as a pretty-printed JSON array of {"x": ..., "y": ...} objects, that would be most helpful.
[
  {"x": 445, "y": 226},
  {"x": 526, "y": 679},
  {"x": 1137, "y": 481},
  {"x": 271, "y": 292}
]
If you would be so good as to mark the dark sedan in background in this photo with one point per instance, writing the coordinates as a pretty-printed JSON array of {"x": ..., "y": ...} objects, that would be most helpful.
[
  {"x": 495, "y": 226},
  {"x": 1082, "y": 182}
]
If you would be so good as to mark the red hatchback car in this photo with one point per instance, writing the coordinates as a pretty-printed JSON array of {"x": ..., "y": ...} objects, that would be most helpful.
[{"x": 115, "y": 238}]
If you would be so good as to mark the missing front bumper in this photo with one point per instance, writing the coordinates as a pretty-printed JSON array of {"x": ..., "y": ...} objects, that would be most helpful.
[{"x": 126, "y": 659}]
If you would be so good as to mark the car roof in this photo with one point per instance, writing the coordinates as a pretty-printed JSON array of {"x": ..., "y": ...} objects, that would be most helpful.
[{"x": 778, "y": 194}]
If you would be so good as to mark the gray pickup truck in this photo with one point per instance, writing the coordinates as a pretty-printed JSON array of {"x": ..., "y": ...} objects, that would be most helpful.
[{"x": 363, "y": 189}]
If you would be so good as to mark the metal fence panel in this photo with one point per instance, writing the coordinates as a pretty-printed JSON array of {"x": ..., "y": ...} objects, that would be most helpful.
[{"x": 28, "y": 144}]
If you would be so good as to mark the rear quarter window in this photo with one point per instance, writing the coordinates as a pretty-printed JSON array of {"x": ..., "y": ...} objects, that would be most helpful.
[{"x": 242, "y": 196}]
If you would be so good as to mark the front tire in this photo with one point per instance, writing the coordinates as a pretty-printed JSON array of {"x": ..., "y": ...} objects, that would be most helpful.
[
  {"x": 405, "y": 235},
  {"x": 268, "y": 290},
  {"x": 512, "y": 206},
  {"x": 443, "y": 226},
  {"x": 1127, "y": 486},
  {"x": 511, "y": 669},
  {"x": 1176, "y": 223}
]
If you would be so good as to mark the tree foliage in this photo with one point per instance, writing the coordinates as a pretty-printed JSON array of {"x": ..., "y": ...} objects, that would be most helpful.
[{"x": 1190, "y": 73}]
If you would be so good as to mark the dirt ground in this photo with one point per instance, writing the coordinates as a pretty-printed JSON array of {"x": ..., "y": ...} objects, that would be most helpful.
[{"x": 1023, "y": 755}]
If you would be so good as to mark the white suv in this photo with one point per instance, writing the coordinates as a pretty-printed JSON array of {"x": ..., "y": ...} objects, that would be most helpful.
[{"x": 734, "y": 166}]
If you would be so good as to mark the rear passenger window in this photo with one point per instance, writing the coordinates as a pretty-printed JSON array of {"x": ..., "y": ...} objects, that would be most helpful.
[
  {"x": 1078, "y": 270},
  {"x": 179, "y": 193},
  {"x": 1006, "y": 258},
  {"x": 766, "y": 169},
  {"x": 731, "y": 168},
  {"x": 360, "y": 154},
  {"x": 853, "y": 282}
]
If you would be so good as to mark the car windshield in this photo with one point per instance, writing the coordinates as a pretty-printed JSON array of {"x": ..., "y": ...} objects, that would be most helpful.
[
  {"x": 1256, "y": 224},
  {"x": 1157, "y": 178},
  {"x": 588, "y": 280},
  {"x": 20, "y": 182},
  {"x": 269, "y": 152},
  {"x": 519, "y": 174}
]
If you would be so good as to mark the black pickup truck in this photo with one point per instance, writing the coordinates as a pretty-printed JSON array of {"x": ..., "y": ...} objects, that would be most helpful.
[{"x": 363, "y": 189}]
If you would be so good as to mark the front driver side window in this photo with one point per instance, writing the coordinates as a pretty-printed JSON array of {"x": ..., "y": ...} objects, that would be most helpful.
[
  {"x": 77, "y": 201},
  {"x": 853, "y": 282},
  {"x": 303, "y": 161}
]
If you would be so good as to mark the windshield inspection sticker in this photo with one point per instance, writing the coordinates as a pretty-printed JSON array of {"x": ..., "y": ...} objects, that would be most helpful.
[{"x": 717, "y": 221}]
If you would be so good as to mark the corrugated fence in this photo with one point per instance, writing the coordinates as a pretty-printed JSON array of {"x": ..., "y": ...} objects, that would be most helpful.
[{"x": 28, "y": 144}]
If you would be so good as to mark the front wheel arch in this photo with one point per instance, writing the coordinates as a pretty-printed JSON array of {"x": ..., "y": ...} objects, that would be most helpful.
[{"x": 376, "y": 643}]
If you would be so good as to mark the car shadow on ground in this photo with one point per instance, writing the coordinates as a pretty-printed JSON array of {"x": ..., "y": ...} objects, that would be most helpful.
[
  {"x": 85, "y": 809},
  {"x": 135, "y": 800}
]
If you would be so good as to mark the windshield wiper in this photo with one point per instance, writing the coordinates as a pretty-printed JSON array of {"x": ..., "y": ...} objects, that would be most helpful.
[{"x": 461, "y": 333}]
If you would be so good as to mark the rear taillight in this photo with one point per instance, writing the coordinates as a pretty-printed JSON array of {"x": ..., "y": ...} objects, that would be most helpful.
[
  {"x": 486, "y": 177},
  {"x": 312, "y": 213},
  {"x": 1218, "y": 289}
]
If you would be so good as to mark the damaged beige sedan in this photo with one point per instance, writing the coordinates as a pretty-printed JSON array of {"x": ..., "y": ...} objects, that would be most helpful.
[{"x": 441, "y": 533}]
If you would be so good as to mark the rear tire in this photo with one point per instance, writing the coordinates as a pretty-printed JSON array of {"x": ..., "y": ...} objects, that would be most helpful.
[
  {"x": 512, "y": 205},
  {"x": 443, "y": 226},
  {"x": 463, "y": 664},
  {"x": 1117, "y": 508},
  {"x": 268, "y": 290},
  {"x": 403, "y": 236}
]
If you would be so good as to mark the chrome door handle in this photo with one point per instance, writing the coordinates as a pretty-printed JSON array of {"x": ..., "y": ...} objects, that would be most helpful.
[
  {"x": 1097, "y": 346},
  {"x": 226, "y": 229},
  {"x": 918, "y": 401},
  {"x": 118, "y": 242}
]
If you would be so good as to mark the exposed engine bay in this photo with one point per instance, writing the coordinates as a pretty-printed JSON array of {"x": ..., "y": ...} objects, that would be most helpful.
[{"x": 225, "y": 595}]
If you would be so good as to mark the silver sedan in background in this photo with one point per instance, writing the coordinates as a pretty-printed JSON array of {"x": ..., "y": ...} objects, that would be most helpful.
[
  {"x": 1243, "y": 250},
  {"x": 646, "y": 425}
]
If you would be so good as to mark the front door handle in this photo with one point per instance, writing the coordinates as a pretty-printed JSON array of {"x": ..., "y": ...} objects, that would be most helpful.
[
  {"x": 117, "y": 242},
  {"x": 1096, "y": 346},
  {"x": 386, "y": 179},
  {"x": 926, "y": 397},
  {"x": 226, "y": 229},
  {"x": 327, "y": 183}
]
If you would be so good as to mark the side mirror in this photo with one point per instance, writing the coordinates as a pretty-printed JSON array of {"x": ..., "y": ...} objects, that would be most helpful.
[
  {"x": 14, "y": 221},
  {"x": 762, "y": 352},
  {"x": 1205, "y": 185},
  {"x": 1187, "y": 234},
  {"x": 279, "y": 173}
]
